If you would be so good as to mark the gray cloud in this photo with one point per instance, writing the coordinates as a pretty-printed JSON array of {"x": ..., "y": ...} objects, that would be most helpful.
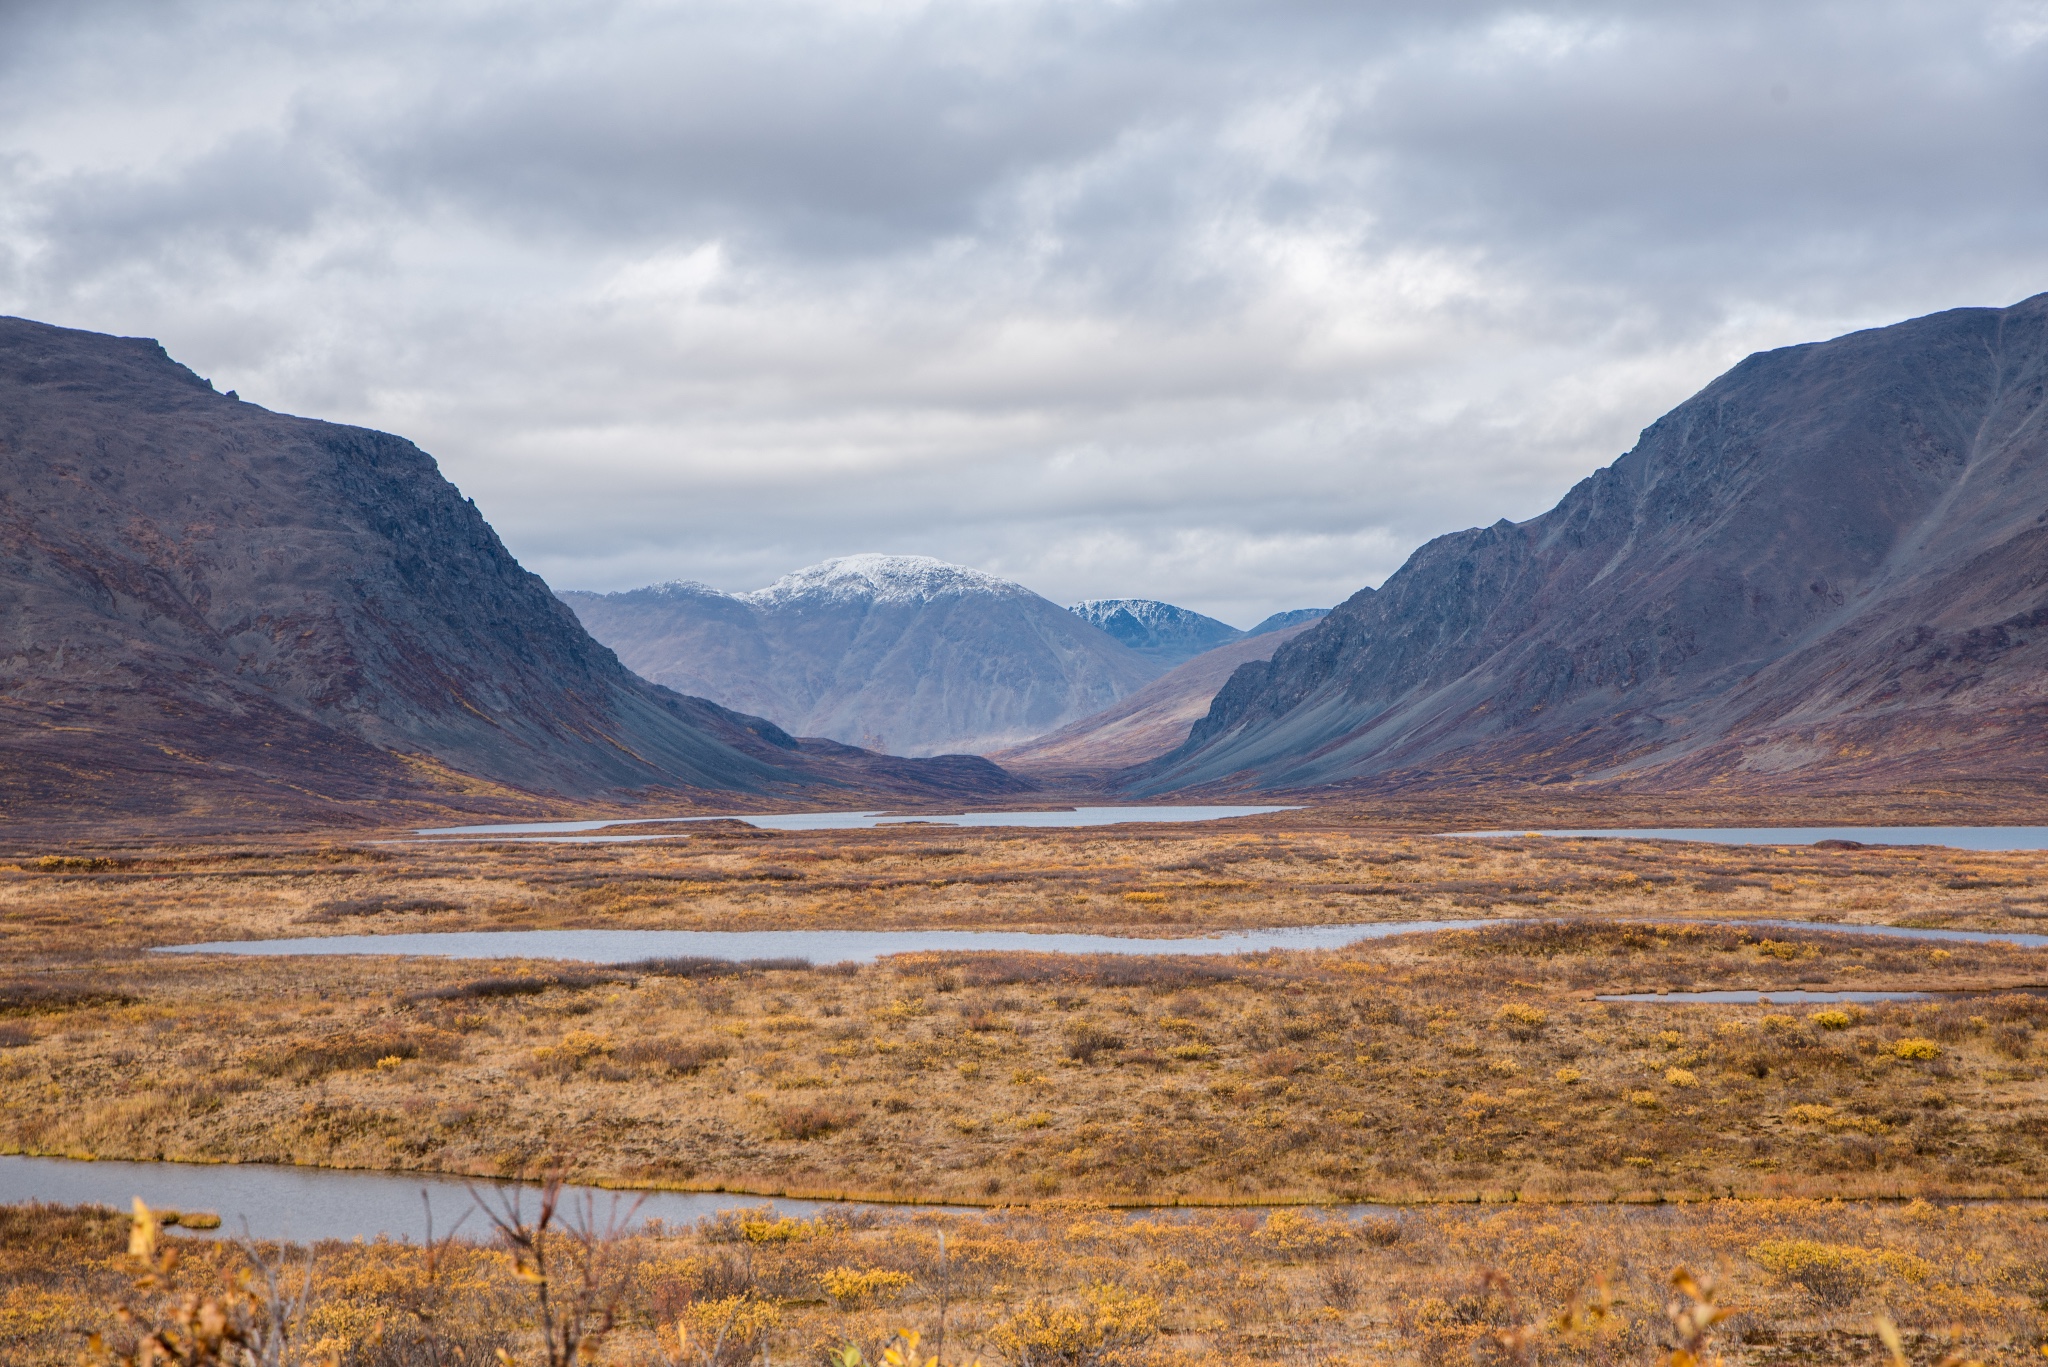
[{"x": 1228, "y": 303}]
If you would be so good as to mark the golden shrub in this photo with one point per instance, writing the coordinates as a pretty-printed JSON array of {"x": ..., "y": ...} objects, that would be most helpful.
[
  {"x": 1108, "y": 1319},
  {"x": 1917, "y": 1048},
  {"x": 849, "y": 1286}
]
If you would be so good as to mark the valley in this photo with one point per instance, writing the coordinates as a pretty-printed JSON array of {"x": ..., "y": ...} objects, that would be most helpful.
[
  {"x": 1511, "y": 1134},
  {"x": 1432, "y": 1144}
]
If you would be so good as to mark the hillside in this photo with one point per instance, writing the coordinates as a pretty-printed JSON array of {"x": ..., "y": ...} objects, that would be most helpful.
[
  {"x": 1829, "y": 567},
  {"x": 1152, "y": 720},
  {"x": 209, "y": 608},
  {"x": 892, "y": 652}
]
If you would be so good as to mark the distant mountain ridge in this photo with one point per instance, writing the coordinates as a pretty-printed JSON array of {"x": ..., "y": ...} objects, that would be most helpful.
[
  {"x": 208, "y": 609},
  {"x": 1830, "y": 566},
  {"x": 1174, "y": 635},
  {"x": 1160, "y": 631},
  {"x": 900, "y": 653},
  {"x": 1280, "y": 621}
]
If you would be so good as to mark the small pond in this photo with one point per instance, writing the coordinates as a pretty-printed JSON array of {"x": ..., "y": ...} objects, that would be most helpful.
[
  {"x": 866, "y": 821},
  {"x": 1956, "y": 837}
]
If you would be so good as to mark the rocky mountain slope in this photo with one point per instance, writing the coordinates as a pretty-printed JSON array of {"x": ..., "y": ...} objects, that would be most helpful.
[
  {"x": 1152, "y": 720},
  {"x": 899, "y": 653},
  {"x": 209, "y": 607},
  {"x": 1829, "y": 567}
]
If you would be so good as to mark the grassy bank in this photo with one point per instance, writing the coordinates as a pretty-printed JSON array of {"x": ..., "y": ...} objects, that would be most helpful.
[{"x": 1071, "y": 1283}]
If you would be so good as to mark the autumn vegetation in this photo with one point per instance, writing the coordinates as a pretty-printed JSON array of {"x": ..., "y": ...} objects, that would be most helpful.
[
  {"x": 1518, "y": 1139},
  {"x": 1071, "y": 1282}
]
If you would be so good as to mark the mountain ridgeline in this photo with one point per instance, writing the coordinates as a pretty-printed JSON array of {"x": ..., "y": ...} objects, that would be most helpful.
[
  {"x": 211, "y": 610},
  {"x": 909, "y": 654},
  {"x": 1829, "y": 567},
  {"x": 1174, "y": 635},
  {"x": 893, "y": 652}
]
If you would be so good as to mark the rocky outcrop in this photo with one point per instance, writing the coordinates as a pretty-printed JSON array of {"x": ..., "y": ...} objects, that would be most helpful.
[
  {"x": 1152, "y": 720},
  {"x": 1828, "y": 567},
  {"x": 205, "y": 605},
  {"x": 892, "y": 652}
]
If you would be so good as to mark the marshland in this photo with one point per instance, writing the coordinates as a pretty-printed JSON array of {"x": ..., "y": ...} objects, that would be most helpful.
[{"x": 1169, "y": 1155}]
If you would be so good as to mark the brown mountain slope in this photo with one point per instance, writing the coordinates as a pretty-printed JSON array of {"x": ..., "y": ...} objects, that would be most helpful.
[
  {"x": 1828, "y": 567},
  {"x": 1153, "y": 720},
  {"x": 209, "y": 608}
]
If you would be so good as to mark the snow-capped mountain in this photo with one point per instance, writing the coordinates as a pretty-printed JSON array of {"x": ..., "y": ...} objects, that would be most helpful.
[
  {"x": 886, "y": 579},
  {"x": 901, "y": 653},
  {"x": 1174, "y": 635},
  {"x": 1157, "y": 630}
]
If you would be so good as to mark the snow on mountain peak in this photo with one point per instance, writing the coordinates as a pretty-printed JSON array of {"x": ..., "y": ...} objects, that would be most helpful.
[{"x": 881, "y": 579}]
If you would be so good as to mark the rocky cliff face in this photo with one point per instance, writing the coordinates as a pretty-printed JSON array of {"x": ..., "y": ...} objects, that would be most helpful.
[
  {"x": 1829, "y": 566},
  {"x": 206, "y": 605},
  {"x": 899, "y": 653}
]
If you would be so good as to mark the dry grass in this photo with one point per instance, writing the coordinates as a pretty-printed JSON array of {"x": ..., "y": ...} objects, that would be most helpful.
[
  {"x": 1070, "y": 1283},
  {"x": 1467, "y": 1065},
  {"x": 1471, "y": 1065},
  {"x": 1125, "y": 880}
]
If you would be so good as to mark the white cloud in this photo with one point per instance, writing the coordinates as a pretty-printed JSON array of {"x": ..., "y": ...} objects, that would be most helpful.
[{"x": 1223, "y": 302}]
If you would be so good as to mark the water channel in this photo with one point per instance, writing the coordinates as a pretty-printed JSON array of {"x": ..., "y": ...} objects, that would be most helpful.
[
  {"x": 283, "y": 1202},
  {"x": 849, "y": 821},
  {"x": 865, "y": 946},
  {"x": 818, "y": 946},
  {"x": 1983, "y": 838}
]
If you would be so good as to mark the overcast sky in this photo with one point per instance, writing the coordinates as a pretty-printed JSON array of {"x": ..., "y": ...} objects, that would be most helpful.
[{"x": 1232, "y": 304}]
